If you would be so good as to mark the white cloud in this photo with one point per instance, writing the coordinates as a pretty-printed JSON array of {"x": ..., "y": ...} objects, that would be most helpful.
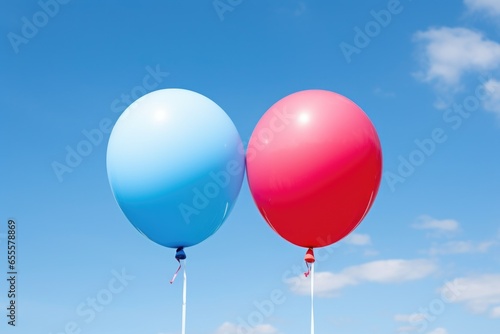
[
  {"x": 371, "y": 252},
  {"x": 437, "y": 225},
  {"x": 406, "y": 329},
  {"x": 401, "y": 317},
  {"x": 449, "y": 53},
  {"x": 391, "y": 271},
  {"x": 439, "y": 330},
  {"x": 327, "y": 284},
  {"x": 460, "y": 247},
  {"x": 491, "y": 7},
  {"x": 449, "y": 227},
  {"x": 492, "y": 101},
  {"x": 408, "y": 318},
  {"x": 481, "y": 294},
  {"x": 495, "y": 312},
  {"x": 358, "y": 239},
  {"x": 230, "y": 328}
]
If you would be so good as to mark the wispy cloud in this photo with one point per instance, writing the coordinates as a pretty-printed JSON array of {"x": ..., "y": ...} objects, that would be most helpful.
[
  {"x": 230, "y": 328},
  {"x": 481, "y": 294},
  {"x": 401, "y": 317},
  {"x": 437, "y": 226},
  {"x": 371, "y": 252},
  {"x": 408, "y": 318},
  {"x": 358, "y": 239},
  {"x": 446, "y": 54},
  {"x": 460, "y": 247},
  {"x": 490, "y": 7},
  {"x": 391, "y": 271},
  {"x": 328, "y": 284},
  {"x": 406, "y": 329},
  {"x": 439, "y": 330},
  {"x": 495, "y": 312},
  {"x": 449, "y": 228},
  {"x": 492, "y": 101}
]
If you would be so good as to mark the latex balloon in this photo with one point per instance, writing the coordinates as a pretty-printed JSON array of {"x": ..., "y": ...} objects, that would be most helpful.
[
  {"x": 175, "y": 166},
  {"x": 314, "y": 166}
]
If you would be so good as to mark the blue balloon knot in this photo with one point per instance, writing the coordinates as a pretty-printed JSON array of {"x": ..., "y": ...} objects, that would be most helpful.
[{"x": 179, "y": 254}]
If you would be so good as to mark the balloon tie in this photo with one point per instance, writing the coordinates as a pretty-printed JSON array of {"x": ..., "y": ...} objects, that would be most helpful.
[
  {"x": 309, "y": 258},
  {"x": 179, "y": 255}
]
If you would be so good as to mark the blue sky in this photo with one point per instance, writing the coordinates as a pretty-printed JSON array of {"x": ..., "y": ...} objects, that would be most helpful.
[{"x": 424, "y": 260}]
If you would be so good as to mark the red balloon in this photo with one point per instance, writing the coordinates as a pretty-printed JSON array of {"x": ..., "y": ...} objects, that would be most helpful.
[{"x": 314, "y": 166}]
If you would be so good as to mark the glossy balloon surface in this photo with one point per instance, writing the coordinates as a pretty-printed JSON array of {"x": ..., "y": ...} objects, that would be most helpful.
[
  {"x": 314, "y": 166},
  {"x": 175, "y": 166}
]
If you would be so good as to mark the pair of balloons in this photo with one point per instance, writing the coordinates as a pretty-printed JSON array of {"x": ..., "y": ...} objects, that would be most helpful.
[{"x": 176, "y": 163}]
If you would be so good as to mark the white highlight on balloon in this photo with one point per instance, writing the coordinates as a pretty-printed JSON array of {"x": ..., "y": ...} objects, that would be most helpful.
[{"x": 304, "y": 118}]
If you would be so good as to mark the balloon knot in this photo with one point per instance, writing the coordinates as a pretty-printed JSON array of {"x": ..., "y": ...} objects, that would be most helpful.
[
  {"x": 309, "y": 258},
  {"x": 180, "y": 254}
]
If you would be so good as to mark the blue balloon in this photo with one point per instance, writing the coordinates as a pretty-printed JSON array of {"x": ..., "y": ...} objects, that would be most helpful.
[{"x": 175, "y": 163}]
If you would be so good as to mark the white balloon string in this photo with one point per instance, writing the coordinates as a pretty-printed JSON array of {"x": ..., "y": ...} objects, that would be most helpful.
[
  {"x": 184, "y": 288},
  {"x": 312, "y": 298}
]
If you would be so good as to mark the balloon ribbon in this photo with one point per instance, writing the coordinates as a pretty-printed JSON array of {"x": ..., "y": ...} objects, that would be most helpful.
[
  {"x": 180, "y": 255},
  {"x": 309, "y": 258},
  {"x": 184, "y": 288},
  {"x": 312, "y": 298}
]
